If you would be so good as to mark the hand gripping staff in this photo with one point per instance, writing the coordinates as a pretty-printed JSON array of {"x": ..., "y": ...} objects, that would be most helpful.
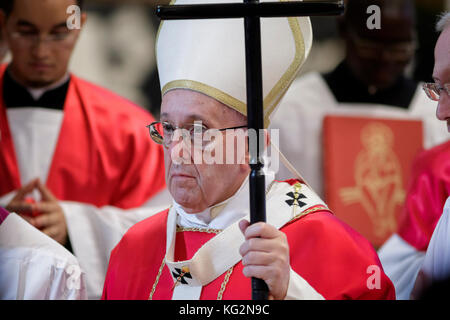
[{"x": 251, "y": 11}]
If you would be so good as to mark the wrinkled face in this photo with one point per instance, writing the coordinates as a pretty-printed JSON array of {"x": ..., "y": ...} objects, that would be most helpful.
[
  {"x": 39, "y": 40},
  {"x": 379, "y": 57},
  {"x": 197, "y": 186},
  {"x": 441, "y": 74}
]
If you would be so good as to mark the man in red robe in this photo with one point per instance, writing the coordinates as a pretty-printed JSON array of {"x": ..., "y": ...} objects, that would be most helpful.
[
  {"x": 203, "y": 247},
  {"x": 405, "y": 253},
  {"x": 429, "y": 191},
  {"x": 76, "y": 145}
]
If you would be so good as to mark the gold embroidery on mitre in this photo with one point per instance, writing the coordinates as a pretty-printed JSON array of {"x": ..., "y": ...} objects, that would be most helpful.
[
  {"x": 281, "y": 87},
  {"x": 273, "y": 97},
  {"x": 378, "y": 179},
  {"x": 208, "y": 90}
]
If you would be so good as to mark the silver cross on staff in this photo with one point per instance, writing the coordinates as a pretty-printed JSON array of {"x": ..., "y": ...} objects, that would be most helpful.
[{"x": 252, "y": 11}]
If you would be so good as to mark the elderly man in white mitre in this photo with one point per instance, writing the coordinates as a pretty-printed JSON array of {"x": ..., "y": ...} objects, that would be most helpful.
[{"x": 203, "y": 247}]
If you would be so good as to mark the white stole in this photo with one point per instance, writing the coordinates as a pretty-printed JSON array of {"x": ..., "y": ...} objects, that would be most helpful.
[{"x": 222, "y": 252}]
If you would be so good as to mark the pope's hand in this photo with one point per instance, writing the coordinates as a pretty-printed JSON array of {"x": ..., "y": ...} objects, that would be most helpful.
[
  {"x": 51, "y": 219},
  {"x": 265, "y": 255}
]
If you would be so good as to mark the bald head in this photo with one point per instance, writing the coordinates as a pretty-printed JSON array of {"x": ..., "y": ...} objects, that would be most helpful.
[{"x": 441, "y": 73}]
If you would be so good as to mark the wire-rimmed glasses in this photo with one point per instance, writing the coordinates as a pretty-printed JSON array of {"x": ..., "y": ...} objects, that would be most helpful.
[
  {"x": 165, "y": 133},
  {"x": 32, "y": 38},
  {"x": 434, "y": 90}
]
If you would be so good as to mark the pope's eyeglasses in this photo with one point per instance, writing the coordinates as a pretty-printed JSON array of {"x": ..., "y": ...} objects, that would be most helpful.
[
  {"x": 434, "y": 90},
  {"x": 164, "y": 132}
]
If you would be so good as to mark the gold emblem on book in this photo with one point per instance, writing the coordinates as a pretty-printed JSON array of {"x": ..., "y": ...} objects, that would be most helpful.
[{"x": 378, "y": 179}]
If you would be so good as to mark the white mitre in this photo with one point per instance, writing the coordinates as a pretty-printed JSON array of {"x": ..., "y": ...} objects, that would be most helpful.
[{"x": 208, "y": 56}]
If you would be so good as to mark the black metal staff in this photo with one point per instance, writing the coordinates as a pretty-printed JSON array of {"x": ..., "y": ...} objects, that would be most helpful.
[{"x": 251, "y": 11}]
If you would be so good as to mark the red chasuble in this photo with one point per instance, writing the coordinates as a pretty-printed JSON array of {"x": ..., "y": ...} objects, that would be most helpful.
[
  {"x": 103, "y": 154},
  {"x": 428, "y": 191},
  {"x": 335, "y": 260}
]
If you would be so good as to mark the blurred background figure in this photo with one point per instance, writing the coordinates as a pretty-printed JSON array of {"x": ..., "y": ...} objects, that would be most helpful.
[
  {"x": 355, "y": 129},
  {"x": 3, "y": 48},
  {"x": 122, "y": 34},
  {"x": 403, "y": 253},
  {"x": 424, "y": 229},
  {"x": 74, "y": 146}
]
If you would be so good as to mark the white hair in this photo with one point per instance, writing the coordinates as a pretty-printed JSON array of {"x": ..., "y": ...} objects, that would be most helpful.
[{"x": 444, "y": 21}]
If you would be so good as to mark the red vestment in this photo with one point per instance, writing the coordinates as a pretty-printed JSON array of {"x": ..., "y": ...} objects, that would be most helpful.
[
  {"x": 103, "y": 155},
  {"x": 428, "y": 191},
  {"x": 328, "y": 254}
]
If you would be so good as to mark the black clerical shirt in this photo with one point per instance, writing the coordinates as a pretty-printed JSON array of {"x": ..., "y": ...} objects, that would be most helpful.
[
  {"x": 347, "y": 89},
  {"x": 17, "y": 96}
]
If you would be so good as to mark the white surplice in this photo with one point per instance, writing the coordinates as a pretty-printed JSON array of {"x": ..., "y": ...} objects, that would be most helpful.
[
  {"x": 436, "y": 263},
  {"x": 93, "y": 231},
  {"x": 401, "y": 263},
  {"x": 35, "y": 267}
]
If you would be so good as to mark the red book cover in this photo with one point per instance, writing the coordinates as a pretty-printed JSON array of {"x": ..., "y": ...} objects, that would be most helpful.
[{"x": 367, "y": 164}]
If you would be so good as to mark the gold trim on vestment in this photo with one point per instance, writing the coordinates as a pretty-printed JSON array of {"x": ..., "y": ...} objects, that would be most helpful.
[
  {"x": 208, "y": 230},
  {"x": 222, "y": 286},
  {"x": 273, "y": 97},
  {"x": 157, "y": 279},
  {"x": 224, "y": 283},
  {"x": 311, "y": 210},
  {"x": 216, "y": 231}
]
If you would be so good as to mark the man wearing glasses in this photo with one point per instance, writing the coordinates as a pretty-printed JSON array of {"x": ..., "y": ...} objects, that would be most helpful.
[
  {"x": 369, "y": 82},
  {"x": 65, "y": 139},
  {"x": 202, "y": 247},
  {"x": 403, "y": 254}
]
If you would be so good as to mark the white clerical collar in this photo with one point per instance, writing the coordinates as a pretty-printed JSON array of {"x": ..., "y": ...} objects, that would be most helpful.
[
  {"x": 221, "y": 215},
  {"x": 221, "y": 252},
  {"x": 39, "y": 92}
]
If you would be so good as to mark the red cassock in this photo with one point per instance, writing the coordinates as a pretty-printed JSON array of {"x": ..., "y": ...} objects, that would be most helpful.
[
  {"x": 103, "y": 155},
  {"x": 335, "y": 260},
  {"x": 428, "y": 191}
]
